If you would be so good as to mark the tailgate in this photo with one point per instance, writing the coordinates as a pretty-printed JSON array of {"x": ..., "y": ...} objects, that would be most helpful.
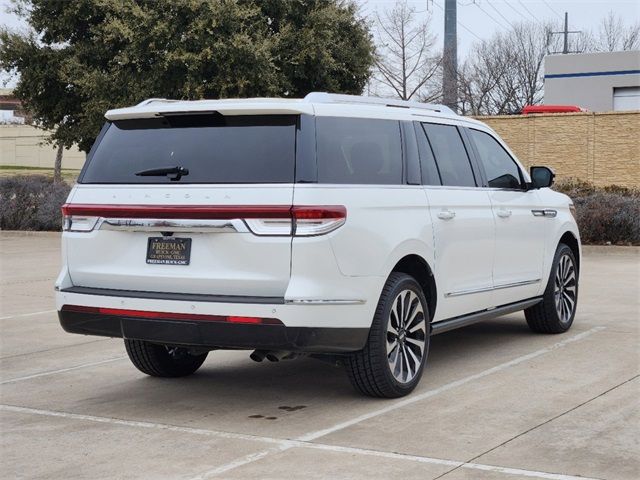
[{"x": 182, "y": 203}]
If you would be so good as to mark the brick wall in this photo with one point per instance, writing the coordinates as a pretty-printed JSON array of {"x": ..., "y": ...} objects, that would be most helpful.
[
  {"x": 25, "y": 146},
  {"x": 603, "y": 148}
]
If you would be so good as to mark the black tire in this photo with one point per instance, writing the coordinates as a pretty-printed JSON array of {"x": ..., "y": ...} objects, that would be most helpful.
[
  {"x": 544, "y": 317},
  {"x": 162, "y": 360},
  {"x": 369, "y": 370}
]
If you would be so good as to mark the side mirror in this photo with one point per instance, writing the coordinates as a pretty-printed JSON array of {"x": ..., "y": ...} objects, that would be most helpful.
[{"x": 541, "y": 177}]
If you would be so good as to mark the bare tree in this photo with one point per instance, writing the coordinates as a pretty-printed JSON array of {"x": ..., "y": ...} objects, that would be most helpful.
[
  {"x": 405, "y": 62},
  {"x": 613, "y": 35},
  {"x": 503, "y": 74}
]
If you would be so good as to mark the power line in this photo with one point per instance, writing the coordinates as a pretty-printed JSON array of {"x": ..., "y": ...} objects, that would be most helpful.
[
  {"x": 490, "y": 16},
  {"x": 551, "y": 8},
  {"x": 499, "y": 13},
  {"x": 516, "y": 10},
  {"x": 459, "y": 22},
  {"x": 528, "y": 11}
]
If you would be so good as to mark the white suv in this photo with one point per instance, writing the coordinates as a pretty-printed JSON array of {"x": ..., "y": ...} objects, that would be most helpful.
[{"x": 335, "y": 226}]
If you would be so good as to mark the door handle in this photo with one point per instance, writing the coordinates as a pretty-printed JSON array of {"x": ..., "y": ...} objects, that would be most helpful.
[
  {"x": 504, "y": 213},
  {"x": 446, "y": 215}
]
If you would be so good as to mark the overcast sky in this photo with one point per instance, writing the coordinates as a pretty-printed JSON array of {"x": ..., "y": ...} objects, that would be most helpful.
[{"x": 481, "y": 18}]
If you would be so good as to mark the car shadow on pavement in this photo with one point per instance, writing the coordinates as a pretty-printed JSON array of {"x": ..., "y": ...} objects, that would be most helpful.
[{"x": 239, "y": 382}]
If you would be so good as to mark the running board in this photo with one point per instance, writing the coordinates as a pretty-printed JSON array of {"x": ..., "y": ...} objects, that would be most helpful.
[{"x": 457, "y": 322}]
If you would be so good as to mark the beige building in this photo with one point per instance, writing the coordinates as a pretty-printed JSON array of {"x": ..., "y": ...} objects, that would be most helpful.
[
  {"x": 599, "y": 82},
  {"x": 25, "y": 146}
]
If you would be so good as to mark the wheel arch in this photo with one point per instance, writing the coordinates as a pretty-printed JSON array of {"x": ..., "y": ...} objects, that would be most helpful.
[
  {"x": 570, "y": 240},
  {"x": 417, "y": 267}
]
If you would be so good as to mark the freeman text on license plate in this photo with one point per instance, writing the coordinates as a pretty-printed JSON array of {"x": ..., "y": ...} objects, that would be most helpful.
[{"x": 169, "y": 251}]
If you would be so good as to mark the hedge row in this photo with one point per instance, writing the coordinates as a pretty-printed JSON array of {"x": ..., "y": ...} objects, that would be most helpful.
[
  {"x": 606, "y": 215},
  {"x": 31, "y": 202}
]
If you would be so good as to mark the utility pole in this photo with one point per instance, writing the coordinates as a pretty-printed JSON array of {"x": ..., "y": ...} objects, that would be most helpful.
[
  {"x": 565, "y": 34},
  {"x": 565, "y": 49},
  {"x": 450, "y": 60}
]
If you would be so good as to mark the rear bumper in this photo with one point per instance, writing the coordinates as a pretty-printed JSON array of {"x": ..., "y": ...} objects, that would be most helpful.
[{"x": 216, "y": 334}]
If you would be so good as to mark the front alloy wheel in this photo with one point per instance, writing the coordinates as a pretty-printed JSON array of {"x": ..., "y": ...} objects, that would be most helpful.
[
  {"x": 565, "y": 288},
  {"x": 556, "y": 311}
]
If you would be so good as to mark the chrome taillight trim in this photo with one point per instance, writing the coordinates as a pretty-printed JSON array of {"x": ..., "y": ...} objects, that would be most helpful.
[{"x": 164, "y": 225}]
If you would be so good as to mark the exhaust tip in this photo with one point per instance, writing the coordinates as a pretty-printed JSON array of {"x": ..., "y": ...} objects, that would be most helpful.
[
  {"x": 258, "y": 355},
  {"x": 278, "y": 355}
]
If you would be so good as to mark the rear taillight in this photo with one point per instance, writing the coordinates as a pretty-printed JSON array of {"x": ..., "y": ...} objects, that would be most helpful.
[
  {"x": 77, "y": 223},
  {"x": 276, "y": 220},
  {"x": 310, "y": 221}
]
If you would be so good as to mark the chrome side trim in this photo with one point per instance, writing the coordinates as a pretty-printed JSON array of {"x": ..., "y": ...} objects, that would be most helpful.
[
  {"x": 516, "y": 284},
  {"x": 547, "y": 212},
  {"x": 468, "y": 291},
  {"x": 174, "y": 225},
  {"x": 494, "y": 287},
  {"x": 312, "y": 301}
]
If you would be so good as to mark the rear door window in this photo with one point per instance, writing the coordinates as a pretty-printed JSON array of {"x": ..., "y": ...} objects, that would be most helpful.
[
  {"x": 501, "y": 170},
  {"x": 212, "y": 147},
  {"x": 451, "y": 155},
  {"x": 358, "y": 151}
]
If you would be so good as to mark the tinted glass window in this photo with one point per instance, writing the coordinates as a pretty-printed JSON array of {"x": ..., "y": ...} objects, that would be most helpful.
[
  {"x": 430, "y": 175},
  {"x": 501, "y": 170},
  {"x": 451, "y": 155},
  {"x": 411, "y": 157},
  {"x": 360, "y": 151},
  {"x": 212, "y": 147}
]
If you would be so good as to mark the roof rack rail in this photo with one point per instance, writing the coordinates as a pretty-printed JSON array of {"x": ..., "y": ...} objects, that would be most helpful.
[
  {"x": 324, "y": 97},
  {"x": 152, "y": 100}
]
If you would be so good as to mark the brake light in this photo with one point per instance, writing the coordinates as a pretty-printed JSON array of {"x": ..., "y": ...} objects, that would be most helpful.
[
  {"x": 310, "y": 220},
  {"x": 77, "y": 223},
  {"x": 274, "y": 220}
]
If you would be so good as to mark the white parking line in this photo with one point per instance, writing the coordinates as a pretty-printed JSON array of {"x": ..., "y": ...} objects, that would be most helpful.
[
  {"x": 62, "y": 370},
  {"x": 27, "y": 314},
  {"x": 448, "y": 463},
  {"x": 430, "y": 393},
  {"x": 402, "y": 403},
  {"x": 282, "y": 445},
  {"x": 140, "y": 424}
]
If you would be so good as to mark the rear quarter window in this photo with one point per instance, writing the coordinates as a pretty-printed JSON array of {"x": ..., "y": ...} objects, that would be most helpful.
[
  {"x": 358, "y": 151},
  {"x": 212, "y": 147}
]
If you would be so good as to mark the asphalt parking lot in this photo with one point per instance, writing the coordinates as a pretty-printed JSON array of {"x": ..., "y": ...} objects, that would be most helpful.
[{"x": 496, "y": 401}]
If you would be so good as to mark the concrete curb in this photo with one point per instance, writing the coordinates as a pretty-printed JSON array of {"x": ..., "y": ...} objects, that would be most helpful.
[
  {"x": 610, "y": 250},
  {"x": 27, "y": 233}
]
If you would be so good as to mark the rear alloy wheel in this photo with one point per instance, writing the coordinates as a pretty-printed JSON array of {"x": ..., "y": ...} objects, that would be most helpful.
[
  {"x": 557, "y": 310},
  {"x": 163, "y": 360},
  {"x": 406, "y": 336},
  {"x": 392, "y": 362}
]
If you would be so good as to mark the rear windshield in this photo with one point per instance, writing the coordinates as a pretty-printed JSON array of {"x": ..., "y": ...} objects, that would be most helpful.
[{"x": 213, "y": 149}]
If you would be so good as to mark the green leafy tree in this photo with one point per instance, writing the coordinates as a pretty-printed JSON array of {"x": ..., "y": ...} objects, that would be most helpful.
[{"x": 83, "y": 57}]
